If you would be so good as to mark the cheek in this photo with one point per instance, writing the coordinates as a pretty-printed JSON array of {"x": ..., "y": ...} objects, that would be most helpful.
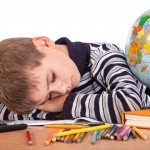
[
  {"x": 35, "y": 97},
  {"x": 39, "y": 95}
]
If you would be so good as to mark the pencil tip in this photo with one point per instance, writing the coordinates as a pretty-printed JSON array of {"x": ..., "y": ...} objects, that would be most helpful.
[
  {"x": 46, "y": 143},
  {"x": 30, "y": 143},
  {"x": 93, "y": 142}
]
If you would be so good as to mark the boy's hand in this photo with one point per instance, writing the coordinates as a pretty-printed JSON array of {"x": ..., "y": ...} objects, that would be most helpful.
[{"x": 54, "y": 105}]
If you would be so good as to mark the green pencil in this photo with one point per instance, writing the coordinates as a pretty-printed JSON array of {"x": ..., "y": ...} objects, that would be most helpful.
[{"x": 99, "y": 136}]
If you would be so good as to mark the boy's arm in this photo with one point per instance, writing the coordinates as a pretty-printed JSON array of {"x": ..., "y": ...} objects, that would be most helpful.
[
  {"x": 53, "y": 105},
  {"x": 6, "y": 114},
  {"x": 121, "y": 94}
]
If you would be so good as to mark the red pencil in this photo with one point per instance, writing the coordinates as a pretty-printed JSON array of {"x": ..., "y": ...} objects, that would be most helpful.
[{"x": 29, "y": 136}]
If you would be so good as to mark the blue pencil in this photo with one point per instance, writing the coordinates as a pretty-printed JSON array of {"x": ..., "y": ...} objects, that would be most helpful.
[
  {"x": 94, "y": 137},
  {"x": 111, "y": 131}
]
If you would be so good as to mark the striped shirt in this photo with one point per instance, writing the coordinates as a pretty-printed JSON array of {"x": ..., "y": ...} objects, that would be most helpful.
[{"x": 107, "y": 86}]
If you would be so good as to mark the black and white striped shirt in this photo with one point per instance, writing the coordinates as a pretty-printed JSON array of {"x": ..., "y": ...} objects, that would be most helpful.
[{"x": 107, "y": 87}]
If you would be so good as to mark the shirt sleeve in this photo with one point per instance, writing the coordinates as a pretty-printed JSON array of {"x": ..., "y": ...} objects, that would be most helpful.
[
  {"x": 6, "y": 114},
  {"x": 121, "y": 91}
]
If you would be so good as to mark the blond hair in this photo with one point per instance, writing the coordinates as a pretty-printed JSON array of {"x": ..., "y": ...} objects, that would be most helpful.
[{"x": 17, "y": 57}]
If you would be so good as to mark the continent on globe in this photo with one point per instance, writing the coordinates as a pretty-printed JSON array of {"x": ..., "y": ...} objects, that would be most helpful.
[{"x": 138, "y": 48}]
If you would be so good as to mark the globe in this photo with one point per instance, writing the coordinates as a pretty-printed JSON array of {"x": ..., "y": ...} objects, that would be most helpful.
[{"x": 137, "y": 48}]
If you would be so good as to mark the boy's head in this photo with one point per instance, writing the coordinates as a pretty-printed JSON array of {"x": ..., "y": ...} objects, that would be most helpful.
[
  {"x": 17, "y": 57},
  {"x": 33, "y": 71}
]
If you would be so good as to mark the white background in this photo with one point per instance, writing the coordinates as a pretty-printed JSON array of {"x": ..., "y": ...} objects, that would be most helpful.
[{"x": 79, "y": 20}]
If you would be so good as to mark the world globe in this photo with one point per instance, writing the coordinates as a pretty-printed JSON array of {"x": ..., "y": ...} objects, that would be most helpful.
[{"x": 137, "y": 48}]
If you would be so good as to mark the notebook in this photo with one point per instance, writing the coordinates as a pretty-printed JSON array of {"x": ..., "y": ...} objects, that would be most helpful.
[
  {"x": 138, "y": 118},
  {"x": 81, "y": 120}
]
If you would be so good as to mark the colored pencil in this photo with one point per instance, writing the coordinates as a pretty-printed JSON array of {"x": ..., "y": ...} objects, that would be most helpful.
[
  {"x": 99, "y": 136},
  {"x": 133, "y": 134},
  {"x": 59, "y": 138},
  {"x": 140, "y": 133},
  {"x": 94, "y": 137},
  {"x": 82, "y": 130},
  {"x": 117, "y": 131},
  {"x": 29, "y": 137},
  {"x": 76, "y": 137},
  {"x": 70, "y": 140},
  {"x": 48, "y": 141},
  {"x": 122, "y": 132},
  {"x": 71, "y": 126},
  {"x": 111, "y": 131},
  {"x": 127, "y": 134},
  {"x": 62, "y": 138},
  {"x": 52, "y": 138},
  {"x": 104, "y": 134},
  {"x": 81, "y": 137},
  {"x": 67, "y": 138}
]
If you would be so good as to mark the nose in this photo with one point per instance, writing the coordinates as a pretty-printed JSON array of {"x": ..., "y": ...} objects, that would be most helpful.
[
  {"x": 59, "y": 88},
  {"x": 62, "y": 88}
]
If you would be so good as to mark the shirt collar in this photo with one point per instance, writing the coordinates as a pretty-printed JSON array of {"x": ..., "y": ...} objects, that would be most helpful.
[{"x": 79, "y": 52}]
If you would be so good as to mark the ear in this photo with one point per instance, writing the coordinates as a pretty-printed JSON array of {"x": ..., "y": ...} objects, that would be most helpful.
[{"x": 42, "y": 41}]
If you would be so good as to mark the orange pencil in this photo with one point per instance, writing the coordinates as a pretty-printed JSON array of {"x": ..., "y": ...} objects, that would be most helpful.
[
  {"x": 63, "y": 137},
  {"x": 67, "y": 138},
  {"x": 76, "y": 137},
  {"x": 71, "y": 126},
  {"x": 52, "y": 138},
  {"x": 47, "y": 142}
]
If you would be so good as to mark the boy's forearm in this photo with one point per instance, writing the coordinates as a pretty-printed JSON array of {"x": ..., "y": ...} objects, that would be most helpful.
[
  {"x": 106, "y": 107},
  {"x": 6, "y": 114},
  {"x": 68, "y": 104}
]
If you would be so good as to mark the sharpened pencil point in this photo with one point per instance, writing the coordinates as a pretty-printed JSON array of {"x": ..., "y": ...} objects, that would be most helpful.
[
  {"x": 30, "y": 143},
  {"x": 46, "y": 143}
]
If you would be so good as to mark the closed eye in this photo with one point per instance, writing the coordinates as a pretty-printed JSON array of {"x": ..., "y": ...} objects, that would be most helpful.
[
  {"x": 53, "y": 77},
  {"x": 43, "y": 102},
  {"x": 47, "y": 98}
]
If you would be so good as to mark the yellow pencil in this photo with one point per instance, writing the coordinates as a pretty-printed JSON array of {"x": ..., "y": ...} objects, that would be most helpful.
[
  {"x": 140, "y": 133},
  {"x": 82, "y": 130},
  {"x": 71, "y": 126}
]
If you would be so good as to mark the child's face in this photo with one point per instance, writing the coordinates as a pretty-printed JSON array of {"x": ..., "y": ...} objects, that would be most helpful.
[{"x": 56, "y": 76}]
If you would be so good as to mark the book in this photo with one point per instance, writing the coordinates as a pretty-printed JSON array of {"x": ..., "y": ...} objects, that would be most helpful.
[
  {"x": 80, "y": 120},
  {"x": 137, "y": 118}
]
